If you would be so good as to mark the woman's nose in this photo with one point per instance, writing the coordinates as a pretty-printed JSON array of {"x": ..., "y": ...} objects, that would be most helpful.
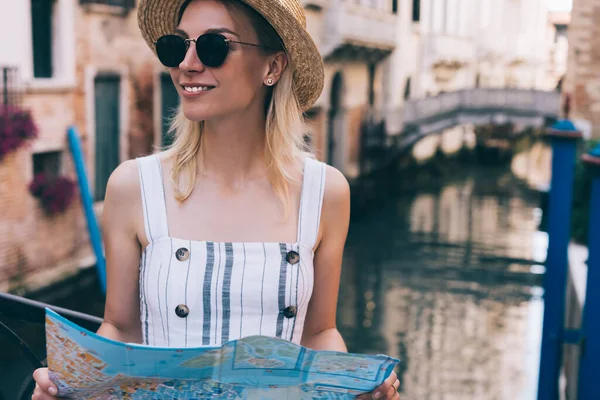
[{"x": 191, "y": 62}]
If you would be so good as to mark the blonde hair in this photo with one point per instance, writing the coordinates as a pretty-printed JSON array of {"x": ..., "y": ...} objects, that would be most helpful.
[{"x": 284, "y": 141}]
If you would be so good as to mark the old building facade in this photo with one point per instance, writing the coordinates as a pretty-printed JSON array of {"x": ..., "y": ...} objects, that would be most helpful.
[
  {"x": 381, "y": 54},
  {"x": 84, "y": 63},
  {"x": 582, "y": 83},
  {"x": 78, "y": 63}
]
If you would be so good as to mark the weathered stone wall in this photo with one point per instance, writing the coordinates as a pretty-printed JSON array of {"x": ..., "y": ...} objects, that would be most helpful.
[
  {"x": 36, "y": 249},
  {"x": 583, "y": 75}
]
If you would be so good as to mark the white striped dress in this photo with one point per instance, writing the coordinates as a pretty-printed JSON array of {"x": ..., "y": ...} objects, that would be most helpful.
[{"x": 199, "y": 293}]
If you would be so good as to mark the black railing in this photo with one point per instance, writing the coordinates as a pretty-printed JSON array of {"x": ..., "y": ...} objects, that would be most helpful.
[
  {"x": 10, "y": 86},
  {"x": 25, "y": 310},
  {"x": 126, "y": 4}
]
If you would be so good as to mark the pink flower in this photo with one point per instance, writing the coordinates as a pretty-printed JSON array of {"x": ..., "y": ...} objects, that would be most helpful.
[
  {"x": 55, "y": 192},
  {"x": 16, "y": 127}
]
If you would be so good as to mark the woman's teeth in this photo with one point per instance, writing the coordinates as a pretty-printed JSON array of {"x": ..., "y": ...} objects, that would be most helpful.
[{"x": 194, "y": 89}]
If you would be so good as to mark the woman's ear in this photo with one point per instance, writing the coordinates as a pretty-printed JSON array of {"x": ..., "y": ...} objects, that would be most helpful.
[{"x": 277, "y": 65}]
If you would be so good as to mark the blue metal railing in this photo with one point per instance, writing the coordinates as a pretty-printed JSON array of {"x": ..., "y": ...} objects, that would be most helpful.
[
  {"x": 589, "y": 385},
  {"x": 564, "y": 139}
]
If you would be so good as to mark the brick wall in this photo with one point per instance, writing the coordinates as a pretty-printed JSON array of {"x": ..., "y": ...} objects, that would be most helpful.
[
  {"x": 35, "y": 249},
  {"x": 583, "y": 73}
]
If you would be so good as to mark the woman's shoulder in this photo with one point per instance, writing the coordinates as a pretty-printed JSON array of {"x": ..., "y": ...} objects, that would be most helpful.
[
  {"x": 126, "y": 177},
  {"x": 337, "y": 188},
  {"x": 124, "y": 181}
]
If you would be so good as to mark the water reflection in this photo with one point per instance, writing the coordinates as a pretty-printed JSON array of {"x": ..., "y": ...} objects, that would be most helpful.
[{"x": 445, "y": 280}]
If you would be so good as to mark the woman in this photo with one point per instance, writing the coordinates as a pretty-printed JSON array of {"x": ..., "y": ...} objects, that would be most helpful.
[{"x": 235, "y": 230}]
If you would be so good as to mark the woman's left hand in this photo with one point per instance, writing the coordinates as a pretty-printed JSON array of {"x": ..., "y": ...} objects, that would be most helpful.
[{"x": 388, "y": 390}]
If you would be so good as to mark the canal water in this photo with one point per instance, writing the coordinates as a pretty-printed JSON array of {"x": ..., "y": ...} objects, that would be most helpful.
[{"x": 445, "y": 277}]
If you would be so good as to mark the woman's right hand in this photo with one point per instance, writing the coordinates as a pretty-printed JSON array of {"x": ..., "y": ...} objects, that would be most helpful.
[{"x": 45, "y": 389}]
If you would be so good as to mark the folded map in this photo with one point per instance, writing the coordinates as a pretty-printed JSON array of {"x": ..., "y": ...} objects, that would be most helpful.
[{"x": 85, "y": 365}]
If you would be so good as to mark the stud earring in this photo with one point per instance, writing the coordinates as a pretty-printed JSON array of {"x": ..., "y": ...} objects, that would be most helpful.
[{"x": 269, "y": 81}]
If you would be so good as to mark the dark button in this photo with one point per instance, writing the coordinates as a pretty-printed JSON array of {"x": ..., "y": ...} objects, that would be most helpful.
[
  {"x": 289, "y": 312},
  {"x": 292, "y": 257},
  {"x": 182, "y": 254},
  {"x": 182, "y": 311}
]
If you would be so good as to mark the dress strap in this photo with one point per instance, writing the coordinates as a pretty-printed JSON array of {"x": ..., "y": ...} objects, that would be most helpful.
[
  {"x": 311, "y": 201},
  {"x": 153, "y": 197}
]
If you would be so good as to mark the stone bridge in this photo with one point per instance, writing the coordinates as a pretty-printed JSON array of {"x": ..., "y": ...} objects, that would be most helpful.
[{"x": 421, "y": 117}]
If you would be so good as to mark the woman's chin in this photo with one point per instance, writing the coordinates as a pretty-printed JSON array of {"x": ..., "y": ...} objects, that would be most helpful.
[{"x": 197, "y": 115}]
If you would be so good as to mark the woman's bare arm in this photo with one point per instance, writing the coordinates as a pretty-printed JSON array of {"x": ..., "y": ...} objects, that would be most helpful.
[
  {"x": 320, "y": 331},
  {"x": 121, "y": 222}
]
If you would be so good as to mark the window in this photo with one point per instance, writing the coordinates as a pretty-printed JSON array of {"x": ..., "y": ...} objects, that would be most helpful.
[
  {"x": 561, "y": 31},
  {"x": 48, "y": 162},
  {"x": 407, "y": 89},
  {"x": 416, "y": 11},
  {"x": 107, "y": 115},
  {"x": 41, "y": 32},
  {"x": 371, "y": 84},
  {"x": 395, "y": 6}
]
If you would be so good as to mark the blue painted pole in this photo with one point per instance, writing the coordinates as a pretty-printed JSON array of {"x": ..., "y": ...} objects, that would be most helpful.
[
  {"x": 86, "y": 200},
  {"x": 564, "y": 141},
  {"x": 589, "y": 383}
]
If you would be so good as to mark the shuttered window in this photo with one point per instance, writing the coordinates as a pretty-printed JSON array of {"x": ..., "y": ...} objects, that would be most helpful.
[
  {"x": 107, "y": 101},
  {"x": 416, "y": 12},
  {"x": 42, "y": 12}
]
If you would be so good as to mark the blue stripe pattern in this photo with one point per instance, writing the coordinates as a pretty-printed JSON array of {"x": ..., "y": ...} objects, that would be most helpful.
[
  {"x": 282, "y": 288},
  {"x": 206, "y": 292},
  {"x": 227, "y": 292}
]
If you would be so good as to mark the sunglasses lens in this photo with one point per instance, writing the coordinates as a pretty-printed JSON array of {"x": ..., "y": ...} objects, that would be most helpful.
[
  {"x": 171, "y": 50},
  {"x": 212, "y": 49}
]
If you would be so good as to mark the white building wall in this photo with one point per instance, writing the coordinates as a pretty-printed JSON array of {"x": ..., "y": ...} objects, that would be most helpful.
[
  {"x": 16, "y": 49},
  {"x": 503, "y": 42},
  {"x": 14, "y": 29}
]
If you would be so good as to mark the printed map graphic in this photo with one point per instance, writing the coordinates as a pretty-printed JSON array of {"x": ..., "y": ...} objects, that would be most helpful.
[{"x": 86, "y": 365}]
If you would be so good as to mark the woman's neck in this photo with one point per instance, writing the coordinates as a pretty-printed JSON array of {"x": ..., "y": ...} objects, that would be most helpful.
[{"x": 233, "y": 149}]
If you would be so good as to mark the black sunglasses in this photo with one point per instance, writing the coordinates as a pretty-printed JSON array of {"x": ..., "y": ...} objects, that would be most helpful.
[{"x": 211, "y": 48}]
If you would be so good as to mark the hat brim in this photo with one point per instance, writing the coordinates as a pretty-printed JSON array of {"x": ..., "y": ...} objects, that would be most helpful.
[{"x": 159, "y": 17}]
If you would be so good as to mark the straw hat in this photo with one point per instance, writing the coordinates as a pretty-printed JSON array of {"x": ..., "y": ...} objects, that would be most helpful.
[{"x": 159, "y": 17}]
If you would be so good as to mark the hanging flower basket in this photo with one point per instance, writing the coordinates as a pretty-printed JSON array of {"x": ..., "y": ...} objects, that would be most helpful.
[
  {"x": 16, "y": 128},
  {"x": 55, "y": 193}
]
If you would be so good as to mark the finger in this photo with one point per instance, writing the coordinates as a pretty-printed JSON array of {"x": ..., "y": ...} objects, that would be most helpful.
[
  {"x": 396, "y": 385},
  {"x": 392, "y": 378},
  {"x": 39, "y": 394},
  {"x": 42, "y": 379},
  {"x": 385, "y": 386},
  {"x": 391, "y": 393}
]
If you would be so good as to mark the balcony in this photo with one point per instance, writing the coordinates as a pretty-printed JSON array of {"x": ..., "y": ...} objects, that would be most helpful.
[
  {"x": 450, "y": 50},
  {"x": 358, "y": 31}
]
